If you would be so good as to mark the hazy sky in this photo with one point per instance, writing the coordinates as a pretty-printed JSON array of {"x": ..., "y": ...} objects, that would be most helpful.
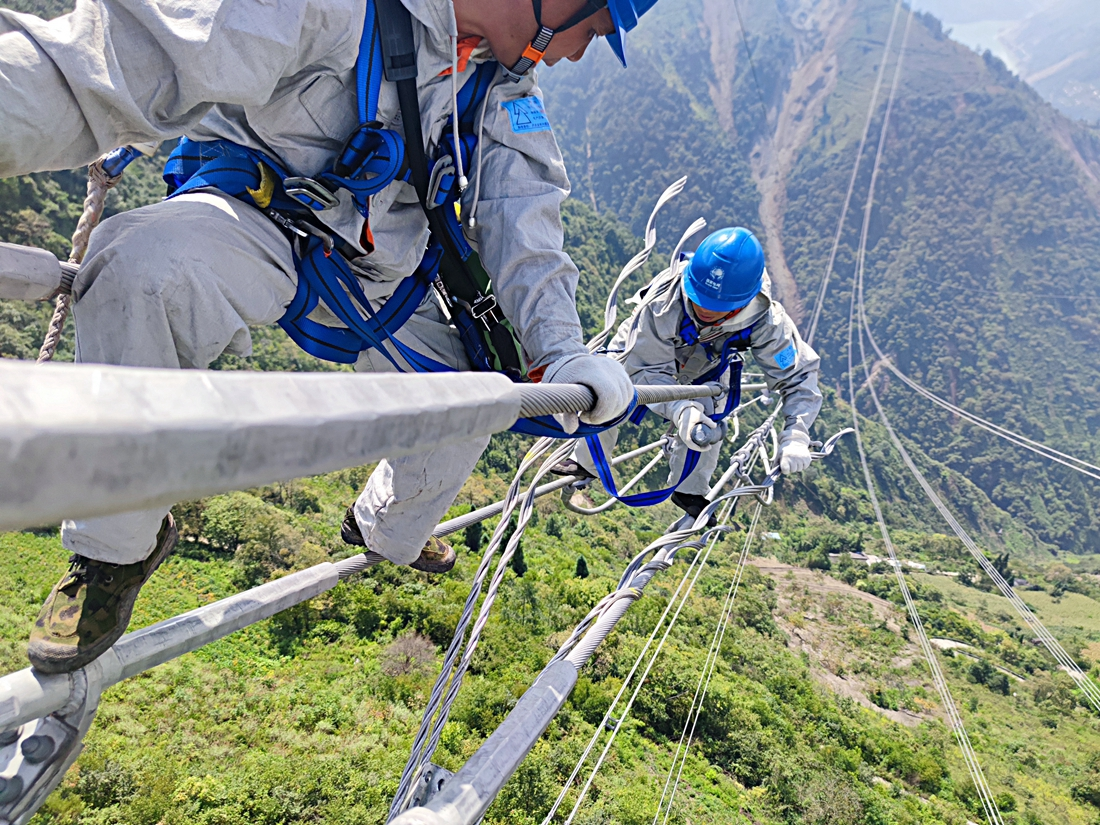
[{"x": 1053, "y": 44}]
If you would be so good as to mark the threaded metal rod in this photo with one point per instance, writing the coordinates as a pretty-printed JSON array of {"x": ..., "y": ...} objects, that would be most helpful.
[{"x": 548, "y": 399}]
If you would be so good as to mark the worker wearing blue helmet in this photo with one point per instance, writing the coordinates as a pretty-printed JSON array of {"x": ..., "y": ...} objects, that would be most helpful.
[
  {"x": 719, "y": 298},
  {"x": 287, "y": 102}
]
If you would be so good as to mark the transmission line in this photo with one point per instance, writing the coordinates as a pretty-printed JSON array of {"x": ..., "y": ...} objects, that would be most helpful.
[
  {"x": 1037, "y": 447},
  {"x": 821, "y": 290},
  {"x": 706, "y": 674},
  {"x": 985, "y": 795},
  {"x": 1086, "y": 685}
]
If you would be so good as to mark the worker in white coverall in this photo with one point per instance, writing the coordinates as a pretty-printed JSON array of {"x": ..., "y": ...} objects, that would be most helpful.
[
  {"x": 177, "y": 283},
  {"x": 721, "y": 295}
]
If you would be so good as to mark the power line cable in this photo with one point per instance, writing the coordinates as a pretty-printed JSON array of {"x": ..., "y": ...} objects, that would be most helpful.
[
  {"x": 1037, "y": 447},
  {"x": 823, "y": 287},
  {"x": 752, "y": 63},
  {"x": 985, "y": 795},
  {"x": 1086, "y": 685},
  {"x": 706, "y": 674},
  {"x": 679, "y": 599}
]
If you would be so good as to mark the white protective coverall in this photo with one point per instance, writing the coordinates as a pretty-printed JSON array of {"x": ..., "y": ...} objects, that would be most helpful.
[
  {"x": 659, "y": 355},
  {"x": 177, "y": 283}
]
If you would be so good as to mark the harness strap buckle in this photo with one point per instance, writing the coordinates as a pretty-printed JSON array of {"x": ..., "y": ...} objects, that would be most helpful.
[
  {"x": 442, "y": 168},
  {"x": 310, "y": 192},
  {"x": 483, "y": 307},
  {"x": 286, "y": 223}
]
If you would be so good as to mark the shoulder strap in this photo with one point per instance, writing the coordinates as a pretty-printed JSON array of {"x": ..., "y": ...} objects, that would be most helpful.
[{"x": 399, "y": 59}]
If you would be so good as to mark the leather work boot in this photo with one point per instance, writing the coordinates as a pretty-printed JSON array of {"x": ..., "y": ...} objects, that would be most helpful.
[
  {"x": 693, "y": 505},
  {"x": 436, "y": 557},
  {"x": 89, "y": 609}
]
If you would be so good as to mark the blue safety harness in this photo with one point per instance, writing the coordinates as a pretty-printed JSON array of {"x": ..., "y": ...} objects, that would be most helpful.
[
  {"x": 372, "y": 159},
  {"x": 727, "y": 358}
]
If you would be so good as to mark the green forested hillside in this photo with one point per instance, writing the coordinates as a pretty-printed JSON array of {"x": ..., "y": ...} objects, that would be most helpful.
[
  {"x": 985, "y": 243},
  {"x": 821, "y": 711}
]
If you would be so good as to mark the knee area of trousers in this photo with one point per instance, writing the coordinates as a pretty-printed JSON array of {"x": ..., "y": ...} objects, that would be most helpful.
[{"x": 124, "y": 253}]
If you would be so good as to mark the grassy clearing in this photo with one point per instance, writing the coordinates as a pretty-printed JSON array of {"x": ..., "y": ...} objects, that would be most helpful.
[
  {"x": 1067, "y": 615},
  {"x": 308, "y": 717}
]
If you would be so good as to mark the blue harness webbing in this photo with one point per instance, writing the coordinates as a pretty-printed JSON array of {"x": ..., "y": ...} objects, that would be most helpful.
[
  {"x": 371, "y": 159},
  {"x": 727, "y": 358}
]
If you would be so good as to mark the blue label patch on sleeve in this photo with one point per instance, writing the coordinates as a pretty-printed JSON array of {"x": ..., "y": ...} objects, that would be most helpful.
[
  {"x": 527, "y": 115},
  {"x": 786, "y": 357}
]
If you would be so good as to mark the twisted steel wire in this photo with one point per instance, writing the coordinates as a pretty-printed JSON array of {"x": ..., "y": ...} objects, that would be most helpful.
[
  {"x": 707, "y": 673},
  {"x": 445, "y": 689}
]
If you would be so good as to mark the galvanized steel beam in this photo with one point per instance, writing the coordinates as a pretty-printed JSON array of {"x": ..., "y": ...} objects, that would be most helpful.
[
  {"x": 87, "y": 440},
  {"x": 28, "y": 274}
]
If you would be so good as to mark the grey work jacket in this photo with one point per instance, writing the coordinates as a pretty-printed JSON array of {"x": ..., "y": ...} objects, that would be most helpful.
[
  {"x": 279, "y": 76},
  {"x": 654, "y": 352}
]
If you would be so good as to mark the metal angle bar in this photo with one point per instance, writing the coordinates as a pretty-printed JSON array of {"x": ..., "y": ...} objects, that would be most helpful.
[
  {"x": 464, "y": 798},
  {"x": 84, "y": 440},
  {"x": 28, "y": 694}
]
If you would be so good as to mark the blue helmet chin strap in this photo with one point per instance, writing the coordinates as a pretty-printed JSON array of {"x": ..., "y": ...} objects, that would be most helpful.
[{"x": 541, "y": 41}]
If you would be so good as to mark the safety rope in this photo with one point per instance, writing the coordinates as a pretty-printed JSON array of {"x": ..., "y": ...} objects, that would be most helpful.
[{"x": 99, "y": 184}]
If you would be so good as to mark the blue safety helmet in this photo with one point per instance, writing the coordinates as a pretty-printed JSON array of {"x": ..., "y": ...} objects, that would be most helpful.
[
  {"x": 625, "y": 14},
  {"x": 726, "y": 272}
]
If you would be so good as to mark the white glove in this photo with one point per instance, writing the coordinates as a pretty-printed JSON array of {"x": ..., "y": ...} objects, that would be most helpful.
[
  {"x": 687, "y": 415},
  {"x": 794, "y": 451},
  {"x": 604, "y": 376}
]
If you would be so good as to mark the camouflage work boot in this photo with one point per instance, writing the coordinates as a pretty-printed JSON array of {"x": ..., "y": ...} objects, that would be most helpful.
[
  {"x": 436, "y": 557},
  {"x": 89, "y": 609}
]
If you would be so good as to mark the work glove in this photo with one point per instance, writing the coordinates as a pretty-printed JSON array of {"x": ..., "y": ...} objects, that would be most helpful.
[
  {"x": 604, "y": 376},
  {"x": 687, "y": 416},
  {"x": 794, "y": 451}
]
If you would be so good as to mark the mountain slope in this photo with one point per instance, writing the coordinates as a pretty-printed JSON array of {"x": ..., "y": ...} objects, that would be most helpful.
[{"x": 987, "y": 207}]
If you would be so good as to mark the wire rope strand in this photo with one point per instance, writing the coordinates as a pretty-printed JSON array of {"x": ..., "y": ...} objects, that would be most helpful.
[
  {"x": 438, "y": 704},
  {"x": 622, "y": 690},
  {"x": 824, "y": 286},
  {"x": 708, "y": 670}
]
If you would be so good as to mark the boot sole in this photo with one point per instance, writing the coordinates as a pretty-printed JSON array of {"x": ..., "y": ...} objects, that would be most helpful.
[
  {"x": 444, "y": 566},
  {"x": 47, "y": 657}
]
